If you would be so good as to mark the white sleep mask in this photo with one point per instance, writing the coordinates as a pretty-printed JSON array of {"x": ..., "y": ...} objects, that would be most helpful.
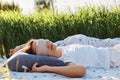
[{"x": 41, "y": 47}]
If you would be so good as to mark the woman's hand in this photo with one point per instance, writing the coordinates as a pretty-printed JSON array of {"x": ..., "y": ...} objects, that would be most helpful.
[
  {"x": 12, "y": 51},
  {"x": 43, "y": 68}
]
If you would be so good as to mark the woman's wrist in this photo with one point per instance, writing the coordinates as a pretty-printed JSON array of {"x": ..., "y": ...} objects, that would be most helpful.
[
  {"x": 44, "y": 68},
  {"x": 48, "y": 68}
]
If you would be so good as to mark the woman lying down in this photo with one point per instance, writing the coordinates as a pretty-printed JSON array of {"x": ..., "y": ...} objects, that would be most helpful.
[{"x": 76, "y": 56}]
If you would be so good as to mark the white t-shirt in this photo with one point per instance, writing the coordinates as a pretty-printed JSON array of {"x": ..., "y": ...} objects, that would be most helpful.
[{"x": 86, "y": 55}]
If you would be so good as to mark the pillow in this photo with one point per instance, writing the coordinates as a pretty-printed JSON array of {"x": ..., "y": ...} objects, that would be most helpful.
[{"x": 22, "y": 61}]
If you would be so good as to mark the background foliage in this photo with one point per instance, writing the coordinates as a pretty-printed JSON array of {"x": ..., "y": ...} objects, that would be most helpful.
[
  {"x": 16, "y": 28},
  {"x": 5, "y": 6}
]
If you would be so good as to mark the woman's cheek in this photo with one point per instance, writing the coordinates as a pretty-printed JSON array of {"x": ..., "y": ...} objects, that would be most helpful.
[{"x": 54, "y": 48}]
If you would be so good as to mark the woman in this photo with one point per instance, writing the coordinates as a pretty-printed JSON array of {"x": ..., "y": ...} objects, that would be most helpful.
[
  {"x": 47, "y": 48},
  {"x": 84, "y": 55}
]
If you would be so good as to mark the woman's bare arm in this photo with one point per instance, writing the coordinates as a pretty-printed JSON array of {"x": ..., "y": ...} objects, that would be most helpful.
[
  {"x": 71, "y": 70},
  {"x": 17, "y": 48}
]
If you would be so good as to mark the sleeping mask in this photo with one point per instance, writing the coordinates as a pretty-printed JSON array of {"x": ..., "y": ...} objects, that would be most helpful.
[{"x": 41, "y": 47}]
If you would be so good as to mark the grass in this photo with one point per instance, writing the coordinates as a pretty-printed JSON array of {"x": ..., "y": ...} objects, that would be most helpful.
[{"x": 5, "y": 73}]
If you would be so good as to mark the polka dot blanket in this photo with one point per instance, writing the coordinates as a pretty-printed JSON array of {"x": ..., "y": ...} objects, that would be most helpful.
[{"x": 91, "y": 73}]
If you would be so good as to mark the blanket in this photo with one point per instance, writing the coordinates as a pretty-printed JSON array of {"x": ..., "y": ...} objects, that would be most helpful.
[
  {"x": 91, "y": 73},
  {"x": 86, "y": 40}
]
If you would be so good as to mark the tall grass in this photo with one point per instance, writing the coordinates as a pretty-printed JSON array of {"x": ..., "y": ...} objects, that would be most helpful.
[
  {"x": 99, "y": 22},
  {"x": 7, "y": 76}
]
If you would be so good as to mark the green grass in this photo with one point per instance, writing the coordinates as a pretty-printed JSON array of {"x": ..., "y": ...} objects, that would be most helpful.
[
  {"x": 99, "y": 22},
  {"x": 5, "y": 74}
]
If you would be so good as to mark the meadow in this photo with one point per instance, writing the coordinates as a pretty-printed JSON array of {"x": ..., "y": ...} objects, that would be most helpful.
[{"x": 16, "y": 28}]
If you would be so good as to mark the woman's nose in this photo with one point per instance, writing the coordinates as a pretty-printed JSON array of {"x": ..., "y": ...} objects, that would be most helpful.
[{"x": 49, "y": 44}]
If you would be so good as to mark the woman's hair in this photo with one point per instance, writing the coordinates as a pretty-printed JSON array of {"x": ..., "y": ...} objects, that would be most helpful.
[{"x": 28, "y": 47}]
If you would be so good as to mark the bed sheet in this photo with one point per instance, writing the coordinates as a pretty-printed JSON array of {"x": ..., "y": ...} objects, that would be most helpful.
[{"x": 91, "y": 74}]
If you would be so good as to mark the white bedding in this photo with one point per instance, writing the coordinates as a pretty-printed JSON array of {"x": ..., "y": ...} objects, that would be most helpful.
[
  {"x": 91, "y": 74},
  {"x": 85, "y": 40}
]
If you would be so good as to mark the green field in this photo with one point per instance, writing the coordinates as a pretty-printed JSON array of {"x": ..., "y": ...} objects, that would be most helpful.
[{"x": 16, "y": 28}]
